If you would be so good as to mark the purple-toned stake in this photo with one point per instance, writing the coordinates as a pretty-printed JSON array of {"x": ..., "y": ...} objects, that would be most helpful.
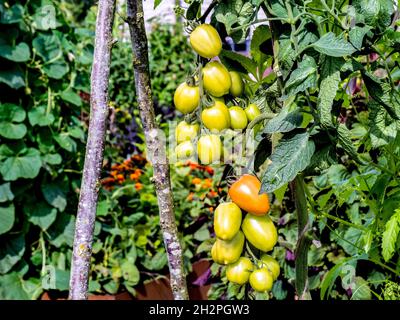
[
  {"x": 156, "y": 149},
  {"x": 94, "y": 152}
]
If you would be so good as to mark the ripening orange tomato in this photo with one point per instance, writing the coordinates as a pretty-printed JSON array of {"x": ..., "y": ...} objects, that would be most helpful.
[{"x": 245, "y": 193}]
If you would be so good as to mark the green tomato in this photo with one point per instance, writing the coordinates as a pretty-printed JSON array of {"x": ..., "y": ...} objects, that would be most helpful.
[
  {"x": 227, "y": 220},
  {"x": 216, "y": 117},
  {"x": 261, "y": 280},
  {"x": 185, "y": 131},
  {"x": 228, "y": 251},
  {"x": 186, "y": 98},
  {"x": 209, "y": 149},
  {"x": 238, "y": 118},
  {"x": 206, "y": 41},
  {"x": 239, "y": 271},
  {"x": 252, "y": 111},
  {"x": 271, "y": 264},
  {"x": 184, "y": 150},
  {"x": 237, "y": 86},
  {"x": 260, "y": 231},
  {"x": 216, "y": 79}
]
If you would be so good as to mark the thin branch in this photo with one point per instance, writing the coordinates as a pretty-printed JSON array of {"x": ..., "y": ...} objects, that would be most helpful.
[
  {"x": 94, "y": 152},
  {"x": 156, "y": 149}
]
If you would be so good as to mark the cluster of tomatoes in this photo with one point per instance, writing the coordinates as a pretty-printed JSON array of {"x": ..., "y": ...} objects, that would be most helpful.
[
  {"x": 213, "y": 80},
  {"x": 217, "y": 83},
  {"x": 256, "y": 227}
]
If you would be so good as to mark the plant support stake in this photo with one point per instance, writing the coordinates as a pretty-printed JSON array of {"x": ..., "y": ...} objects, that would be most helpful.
[
  {"x": 303, "y": 240},
  {"x": 155, "y": 148},
  {"x": 94, "y": 152}
]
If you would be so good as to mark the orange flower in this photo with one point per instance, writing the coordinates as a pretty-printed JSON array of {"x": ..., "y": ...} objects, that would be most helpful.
[
  {"x": 120, "y": 178},
  {"x": 207, "y": 183},
  {"x": 209, "y": 170},
  {"x": 136, "y": 174},
  {"x": 211, "y": 209},
  {"x": 138, "y": 186},
  {"x": 190, "y": 196},
  {"x": 196, "y": 181},
  {"x": 114, "y": 173},
  {"x": 127, "y": 162},
  {"x": 212, "y": 194},
  {"x": 114, "y": 166}
]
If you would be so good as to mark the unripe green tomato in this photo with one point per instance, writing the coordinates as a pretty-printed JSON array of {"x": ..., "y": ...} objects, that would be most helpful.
[
  {"x": 227, "y": 220},
  {"x": 209, "y": 149},
  {"x": 238, "y": 118},
  {"x": 206, "y": 41},
  {"x": 261, "y": 280},
  {"x": 252, "y": 111},
  {"x": 239, "y": 271},
  {"x": 186, "y": 98},
  {"x": 184, "y": 150},
  {"x": 271, "y": 264},
  {"x": 260, "y": 231},
  {"x": 237, "y": 85},
  {"x": 228, "y": 251},
  {"x": 216, "y": 79},
  {"x": 185, "y": 131},
  {"x": 216, "y": 117}
]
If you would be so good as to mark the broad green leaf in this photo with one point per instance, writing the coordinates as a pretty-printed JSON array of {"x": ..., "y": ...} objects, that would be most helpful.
[
  {"x": 52, "y": 158},
  {"x": 13, "y": 77},
  {"x": 238, "y": 62},
  {"x": 284, "y": 122},
  {"x": 157, "y": 262},
  {"x": 71, "y": 97},
  {"x": 57, "y": 69},
  {"x": 286, "y": 56},
  {"x": 258, "y": 43},
  {"x": 62, "y": 230},
  {"x": 357, "y": 34},
  {"x": 304, "y": 77},
  {"x": 9, "y": 114},
  {"x": 11, "y": 287},
  {"x": 65, "y": 141},
  {"x": 39, "y": 116},
  {"x": 130, "y": 273},
  {"x": 202, "y": 234},
  {"x": 6, "y": 193},
  {"x": 383, "y": 127},
  {"x": 278, "y": 291},
  {"x": 45, "y": 18},
  {"x": 55, "y": 193},
  {"x": 11, "y": 251},
  {"x": 12, "y": 15},
  {"x": 383, "y": 93},
  {"x": 47, "y": 46},
  {"x": 7, "y": 217},
  {"x": 333, "y": 46},
  {"x": 390, "y": 235},
  {"x": 344, "y": 141},
  {"x": 330, "y": 79},
  {"x": 25, "y": 164},
  {"x": 18, "y": 53},
  {"x": 291, "y": 156},
  {"x": 362, "y": 291},
  {"x": 375, "y": 13},
  {"x": 278, "y": 8},
  {"x": 41, "y": 214}
]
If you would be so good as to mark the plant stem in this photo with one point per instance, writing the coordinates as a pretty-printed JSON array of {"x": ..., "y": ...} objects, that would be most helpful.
[
  {"x": 94, "y": 152},
  {"x": 156, "y": 149},
  {"x": 303, "y": 241}
]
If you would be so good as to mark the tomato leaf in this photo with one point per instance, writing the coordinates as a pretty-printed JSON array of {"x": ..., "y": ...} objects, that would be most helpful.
[
  {"x": 383, "y": 127},
  {"x": 333, "y": 46},
  {"x": 390, "y": 235},
  {"x": 304, "y": 77},
  {"x": 238, "y": 62},
  {"x": 330, "y": 79},
  {"x": 344, "y": 141},
  {"x": 285, "y": 121},
  {"x": 291, "y": 155}
]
